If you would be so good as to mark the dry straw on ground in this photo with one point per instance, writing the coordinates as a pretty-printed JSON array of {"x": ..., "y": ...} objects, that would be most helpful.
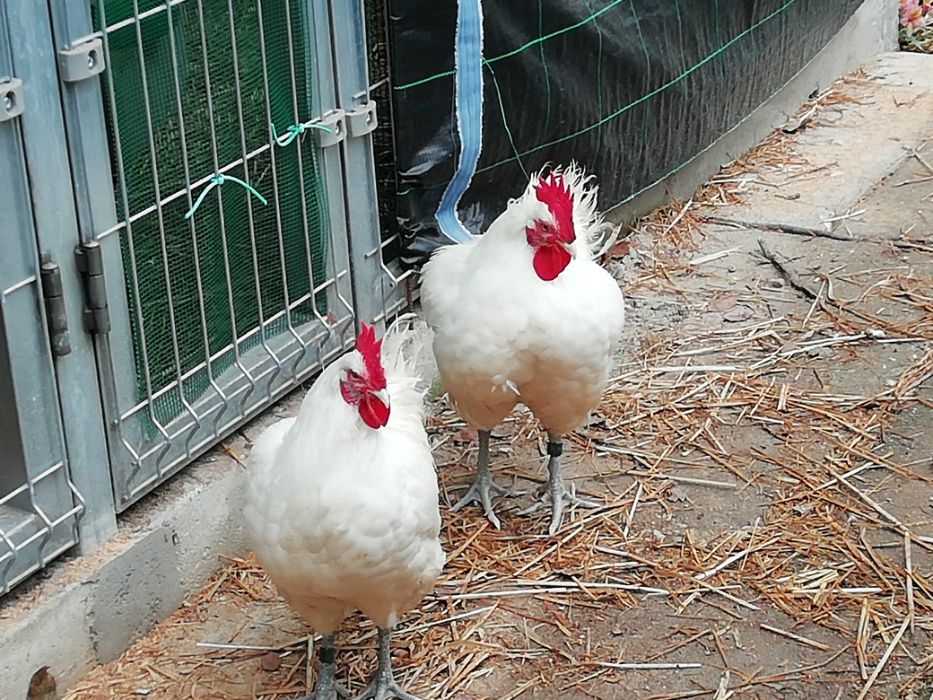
[{"x": 826, "y": 551}]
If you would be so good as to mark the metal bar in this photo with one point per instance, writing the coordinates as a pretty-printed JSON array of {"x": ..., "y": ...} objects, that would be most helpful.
[
  {"x": 371, "y": 288},
  {"x": 275, "y": 179},
  {"x": 19, "y": 285},
  {"x": 31, "y": 427},
  {"x": 137, "y": 16},
  {"x": 298, "y": 118},
  {"x": 318, "y": 36},
  {"x": 254, "y": 249},
  {"x": 166, "y": 268},
  {"x": 117, "y": 427},
  {"x": 192, "y": 227}
]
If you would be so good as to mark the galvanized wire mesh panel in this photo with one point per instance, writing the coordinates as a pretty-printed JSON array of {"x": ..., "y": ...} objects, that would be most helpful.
[
  {"x": 231, "y": 307},
  {"x": 39, "y": 505}
]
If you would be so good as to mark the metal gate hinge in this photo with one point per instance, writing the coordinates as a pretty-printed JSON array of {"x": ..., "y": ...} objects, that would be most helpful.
[
  {"x": 55, "y": 314},
  {"x": 362, "y": 120},
  {"x": 11, "y": 98},
  {"x": 336, "y": 123},
  {"x": 91, "y": 265},
  {"x": 81, "y": 61}
]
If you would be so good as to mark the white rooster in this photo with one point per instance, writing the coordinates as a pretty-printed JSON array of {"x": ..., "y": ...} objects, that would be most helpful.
[
  {"x": 342, "y": 506},
  {"x": 525, "y": 314}
]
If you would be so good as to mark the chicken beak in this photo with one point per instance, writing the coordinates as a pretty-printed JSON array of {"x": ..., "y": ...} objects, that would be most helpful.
[{"x": 383, "y": 396}]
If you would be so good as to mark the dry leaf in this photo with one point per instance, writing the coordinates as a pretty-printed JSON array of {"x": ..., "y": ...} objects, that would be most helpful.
[{"x": 619, "y": 250}]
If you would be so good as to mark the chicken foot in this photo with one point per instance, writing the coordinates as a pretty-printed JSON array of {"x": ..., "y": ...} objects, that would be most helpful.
[
  {"x": 555, "y": 493},
  {"x": 383, "y": 685},
  {"x": 480, "y": 488}
]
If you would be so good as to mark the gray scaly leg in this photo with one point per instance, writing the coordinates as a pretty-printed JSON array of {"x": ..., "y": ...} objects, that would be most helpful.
[
  {"x": 383, "y": 685},
  {"x": 326, "y": 688},
  {"x": 555, "y": 492},
  {"x": 480, "y": 488}
]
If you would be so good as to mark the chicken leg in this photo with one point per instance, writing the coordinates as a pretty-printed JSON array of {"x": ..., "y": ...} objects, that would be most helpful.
[
  {"x": 383, "y": 685},
  {"x": 326, "y": 688},
  {"x": 480, "y": 488},
  {"x": 555, "y": 492}
]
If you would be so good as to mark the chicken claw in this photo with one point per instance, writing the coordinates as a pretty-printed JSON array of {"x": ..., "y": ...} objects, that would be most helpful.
[
  {"x": 383, "y": 685},
  {"x": 483, "y": 484},
  {"x": 555, "y": 493}
]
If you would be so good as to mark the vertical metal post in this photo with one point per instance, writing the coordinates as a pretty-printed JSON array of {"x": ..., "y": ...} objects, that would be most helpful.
[
  {"x": 371, "y": 288},
  {"x": 326, "y": 106}
]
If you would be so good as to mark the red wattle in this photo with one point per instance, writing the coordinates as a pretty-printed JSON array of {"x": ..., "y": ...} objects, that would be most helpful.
[
  {"x": 550, "y": 261},
  {"x": 374, "y": 413}
]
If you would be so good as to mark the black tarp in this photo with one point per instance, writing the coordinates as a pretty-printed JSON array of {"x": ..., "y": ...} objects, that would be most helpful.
[{"x": 631, "y": 89}]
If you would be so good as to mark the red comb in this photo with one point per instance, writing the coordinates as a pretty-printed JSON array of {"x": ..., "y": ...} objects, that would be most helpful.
[
  {"x": 554, "y": 192},
  {"x": 369, "y": 347}
]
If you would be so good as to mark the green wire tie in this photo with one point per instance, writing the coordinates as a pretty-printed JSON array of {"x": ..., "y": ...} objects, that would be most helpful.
[
  {"x": 218, "y": 180},
  {"x": 296, "y": 130}
]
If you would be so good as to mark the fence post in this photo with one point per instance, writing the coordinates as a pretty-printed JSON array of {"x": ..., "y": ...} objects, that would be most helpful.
[{"x": 375, "y": 292}]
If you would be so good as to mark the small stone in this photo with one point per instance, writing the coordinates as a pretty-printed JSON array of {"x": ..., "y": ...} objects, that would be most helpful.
[
  {"x": 823, "y": 353},
  {"x": 738, "y": 314},
  {"x": 270, "y": 661},
  {"x": 776, "y": 283},
  {"x": 677, "y": 495}
]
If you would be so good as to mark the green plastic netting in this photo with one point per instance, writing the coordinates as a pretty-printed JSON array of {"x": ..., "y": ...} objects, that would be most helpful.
[{"x": 218, "y": 53}]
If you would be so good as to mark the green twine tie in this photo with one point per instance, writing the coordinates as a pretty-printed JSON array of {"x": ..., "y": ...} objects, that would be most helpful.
[
  {"x": 218, "y": 180},
  {"x": 296, "y": 130}
]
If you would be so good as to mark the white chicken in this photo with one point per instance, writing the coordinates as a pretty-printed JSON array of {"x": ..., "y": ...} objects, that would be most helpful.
[
  {"x": 343, "y": 502},
  {"x": 525, "y": 314}
]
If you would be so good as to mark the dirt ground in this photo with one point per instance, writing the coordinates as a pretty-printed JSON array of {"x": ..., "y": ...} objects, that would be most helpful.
[{"x": 764, "y": 456}]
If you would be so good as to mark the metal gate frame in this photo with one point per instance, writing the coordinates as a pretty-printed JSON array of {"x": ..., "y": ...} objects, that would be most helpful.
[
  {"x": 40, "y": 504},
  {"x": 78, "y": 451},
  {"x": 358, "y": 286}
]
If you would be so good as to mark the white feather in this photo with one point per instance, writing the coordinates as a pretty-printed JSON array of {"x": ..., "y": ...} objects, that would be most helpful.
[
  {"x": 342, "y": 516},
  {"x": 497, "y": 324}
]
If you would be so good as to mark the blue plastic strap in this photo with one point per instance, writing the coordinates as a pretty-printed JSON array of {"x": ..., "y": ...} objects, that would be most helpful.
[{"x": 468, "y": 87}]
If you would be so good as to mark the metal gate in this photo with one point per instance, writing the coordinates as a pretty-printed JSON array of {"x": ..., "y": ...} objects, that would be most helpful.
[
  {"x": 213, "y": 164},
  {"x": 39, "y": 505}
]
